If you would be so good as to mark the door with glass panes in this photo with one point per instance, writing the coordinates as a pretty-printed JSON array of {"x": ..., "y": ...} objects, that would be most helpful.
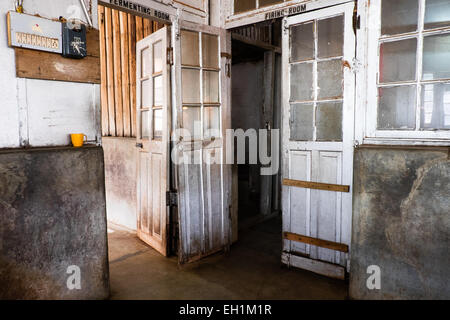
[
  {"x": 318, "y": 134},
  {"x": 201, "y": 116},
  {"x": 153, "y": 124}
]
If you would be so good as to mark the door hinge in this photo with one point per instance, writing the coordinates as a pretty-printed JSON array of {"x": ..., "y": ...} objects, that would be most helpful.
[
  {"x": 172, "y": 198},
  {"x": 356, "y": 19},
  {"x": 170, "y": 56}
]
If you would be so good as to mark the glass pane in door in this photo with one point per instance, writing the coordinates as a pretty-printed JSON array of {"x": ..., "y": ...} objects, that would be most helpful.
[{"x": 190, "y": 48}]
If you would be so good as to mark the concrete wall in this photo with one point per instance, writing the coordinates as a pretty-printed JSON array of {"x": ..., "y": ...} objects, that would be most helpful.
[
  {"x": 38, "y": 112},
  {"x": 52, "y": 216},
  {"x": 121, "y": 183},
  {"x": 401, "y": 223}
]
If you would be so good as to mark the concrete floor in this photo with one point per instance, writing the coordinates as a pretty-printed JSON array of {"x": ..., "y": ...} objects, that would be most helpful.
[{"x": 251, "y": 270}]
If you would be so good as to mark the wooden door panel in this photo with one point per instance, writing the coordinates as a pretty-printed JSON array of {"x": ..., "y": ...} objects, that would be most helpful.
[
  {"x": 212, "y": 190},
  {"x": 328, "y": 204},
  {"x": 158, "y": 202},
  {"x": 143, "y": 192},
  {"x": 300, "y": 199},
  {"x": 191, "y": 208}
]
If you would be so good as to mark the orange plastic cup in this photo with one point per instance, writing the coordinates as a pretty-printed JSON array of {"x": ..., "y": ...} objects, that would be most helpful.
[{"x": 78, "y": 139}]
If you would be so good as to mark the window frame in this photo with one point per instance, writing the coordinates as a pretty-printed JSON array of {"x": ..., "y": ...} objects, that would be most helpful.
[
  {"x": 374, "y": 40},
  {"x": 202, "y": 104}
]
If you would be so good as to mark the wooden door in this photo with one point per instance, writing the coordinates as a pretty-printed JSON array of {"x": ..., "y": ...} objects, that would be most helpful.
[
  {"x": 202, "y": 112},
  {"x": 153, "y": 124},
  {"x": 318, "y": 135}
]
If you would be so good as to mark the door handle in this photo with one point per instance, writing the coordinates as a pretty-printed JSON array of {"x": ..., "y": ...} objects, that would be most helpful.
[{"x": 139, "y": 145}]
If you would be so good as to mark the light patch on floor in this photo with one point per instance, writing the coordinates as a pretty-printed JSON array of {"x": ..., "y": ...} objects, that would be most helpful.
[{"x": 251, "y": 270}]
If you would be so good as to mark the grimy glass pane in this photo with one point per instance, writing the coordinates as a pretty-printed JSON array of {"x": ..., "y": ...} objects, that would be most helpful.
[
  {"x": 157, "y": 123},
  {"x": 145, "y": 124},
  {"x": 157, "y": 57},
  {"x": 399, "y": 16},
  {"x": 145, "y": 63},
  {"x": 158, "y": 93},
  {"x": 190, "y": 79},
  {"x": 301, "y": 122},
  {"x": 146, "y": 94},
  {"x": 263, "y": 3},
  {"x": 211, "y": 122},
  {"x": 436, "y": 57},
  {"x": 210, "y": 51},
  {"x": 330, "y": 79},
  {"x": 331, "y": 37},
  {"x": 398, "y": 60},
  {"x": 192, "y": 122},
  {"x": 437, "y": 14},
  {"x": 397, "y": 108},
  {"x": 302, "y": 82},
  {"x": 302, "y": 42},
  {"x": 435, "y": 108},
  {"x": 244, "y": 5},
  {"x": 210, "y": 87},
  {"x": 190, "y": 52},
  {"x": 329, "y": 121}
]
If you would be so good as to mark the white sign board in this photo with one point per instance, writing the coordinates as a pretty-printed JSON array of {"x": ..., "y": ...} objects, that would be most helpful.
[{"x": 31, "y": 32}]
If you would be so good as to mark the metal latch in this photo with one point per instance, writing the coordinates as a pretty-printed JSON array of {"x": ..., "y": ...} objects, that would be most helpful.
[
  {"x": 139, "y": 145},
  {"x": 172, "y": 198}
]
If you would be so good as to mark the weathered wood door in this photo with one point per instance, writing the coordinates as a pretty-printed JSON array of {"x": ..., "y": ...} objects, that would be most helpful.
[
  {"x": 202, "y": 112},
  {"x": 153, "y": 136},
  {"x": 318, "y": 135}
]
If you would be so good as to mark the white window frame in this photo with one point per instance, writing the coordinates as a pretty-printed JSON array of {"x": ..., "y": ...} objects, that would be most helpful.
[{"x": 372, "y": 134}]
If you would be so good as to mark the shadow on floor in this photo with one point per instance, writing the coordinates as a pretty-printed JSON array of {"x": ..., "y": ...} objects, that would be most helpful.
[{"x": 251, "y": 270}]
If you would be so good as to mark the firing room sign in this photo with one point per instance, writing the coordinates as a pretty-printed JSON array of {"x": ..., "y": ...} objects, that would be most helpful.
[
  {"x": 140, "y": 9},
  {"x": 31, "y": 32}
]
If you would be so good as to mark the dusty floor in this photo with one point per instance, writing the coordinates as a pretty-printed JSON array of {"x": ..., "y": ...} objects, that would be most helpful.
[{"x": 251, "y": 270}]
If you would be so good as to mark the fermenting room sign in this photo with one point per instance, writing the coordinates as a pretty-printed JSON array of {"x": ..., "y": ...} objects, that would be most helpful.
[{"x": 31, "y": 32}]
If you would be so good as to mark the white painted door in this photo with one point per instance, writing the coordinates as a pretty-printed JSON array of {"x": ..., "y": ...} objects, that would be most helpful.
[
  {"x": 202, "y": 111},
  {"x": 318, "y": 134},
  {"x": 153, "y": 123}
]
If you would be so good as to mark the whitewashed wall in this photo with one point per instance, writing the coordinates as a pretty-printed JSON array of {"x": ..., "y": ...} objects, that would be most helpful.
[{"x": 38, "y": 112}]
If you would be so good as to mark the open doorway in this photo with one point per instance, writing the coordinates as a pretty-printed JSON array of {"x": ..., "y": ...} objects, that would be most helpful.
[{"x": 256, "y": 87}]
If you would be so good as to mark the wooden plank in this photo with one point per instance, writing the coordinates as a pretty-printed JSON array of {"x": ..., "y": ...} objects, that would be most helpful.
[
  {"x": 316, "y": 242},
  {"x": 117, "y": 74},
  {"x": 316, "y": 185},
  {"x": 148, "y": 28},
  {"x": 132, "y": 70},
  {"x": 42, "y": 65},
  {"x": 319, "y": 267},
  {"x": 124, "y": 54},
  {"x": 110, "y": 71},
  {"x": 93, "y": 42},
  {"x": 139, "y": 29},
  {"x": 51, "y": 66},
  {"x": 103, "y": 70}
]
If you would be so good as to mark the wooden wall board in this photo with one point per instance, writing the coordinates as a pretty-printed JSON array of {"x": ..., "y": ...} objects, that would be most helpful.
[{"x": 43, "y": 65}]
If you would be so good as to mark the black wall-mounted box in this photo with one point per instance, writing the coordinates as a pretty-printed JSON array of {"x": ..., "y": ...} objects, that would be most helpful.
[{"x": 74, "y": 41}]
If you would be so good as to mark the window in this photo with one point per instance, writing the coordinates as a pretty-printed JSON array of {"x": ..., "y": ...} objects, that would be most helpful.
[
  {"x": 409, "y": 69},
  {"x": 200, "y": 77},
  {"x": 247, "y": 5}
]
